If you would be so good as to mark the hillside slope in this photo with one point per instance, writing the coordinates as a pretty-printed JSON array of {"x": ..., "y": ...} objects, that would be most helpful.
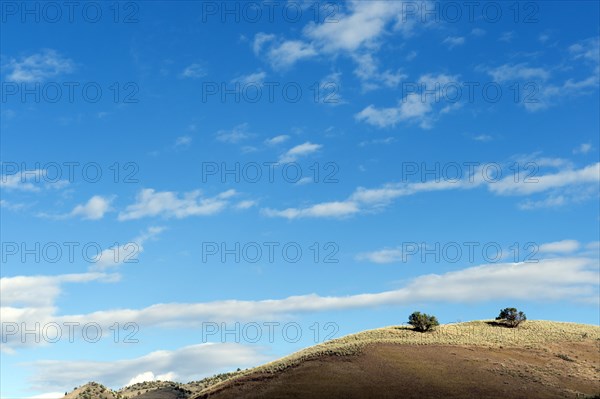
[
  {"x": 479, "y": 359},
  {"x": 468, "y": 360}
]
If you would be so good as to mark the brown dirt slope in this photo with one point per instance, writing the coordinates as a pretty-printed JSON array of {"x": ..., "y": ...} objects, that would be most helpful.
[{"x": 468, "y": 360}]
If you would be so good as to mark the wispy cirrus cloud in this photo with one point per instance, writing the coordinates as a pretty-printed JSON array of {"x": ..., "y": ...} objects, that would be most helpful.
[
  {"x": 31, "y": 180},
  {"x": 454, "y": 41},
  {"x": 569, "y": 183},
  {"x": 125, "y": 253},
  {"x": 183, "y": 142},
  {"x": 193, "y": 71},
  {"x": 256, "y": 78},
  {"x": 235, "y": 135},
  {"x": 282, "y": 138},
  {"x": 583, "y": 149},
  {"x": 546, "y": 87},
  {"x": 38, "y": 67}
]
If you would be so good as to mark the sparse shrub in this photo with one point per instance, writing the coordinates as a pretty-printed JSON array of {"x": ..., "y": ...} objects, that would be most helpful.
[
  {"x": 422, "y": 322},
  {"x": 565, "y": 357},
  {"x": 511, "y": 317}
]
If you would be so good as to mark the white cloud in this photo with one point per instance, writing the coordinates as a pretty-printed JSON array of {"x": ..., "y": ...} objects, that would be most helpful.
[
  {"x": 280, "y": 53},
  {"x": 483, "y": 137},
  {"x": 277, "y": 139},
  {"x": 543, "y": 93},
  {"x": 555, "y": 278},
  {"x": 326, "y": 210},
  {"x": 183, "y": 141},
  {"x": 126, "y": 253},
  {"x": 587, "y": 175},
  {"x": 38, "y": 67},
  {"x": 387, "y": 140},
  {"x": 380, "y": 117},
  {"x": 256, "y": 78},
  {"x": 357, "y": 33},
  {"x": 149, "y": 376},
  {"x": 304, "y": 180},
  {"x": 507, "y": 37},
  {"x": 552, "y": 94},
  {"x": 40, "y": 292},
  {"x": 246, "y": 204},
  {"x": 549, "y": 202},
  {"x": 32, "y": 299},
  {"x": 30, "y": 180},
  {"x": 94, "y": 209},
  {"x": 143, "y": 377},
  {"x": 181, "y": 364},
  {"x": 588, "y": 50},
  {"x": 478, "y": 32},
  {"x": 583, "y": 149},
  {"x": 381, "y": 256},
  {"x": 357, "y": 29},
  {"x": 193, "y": 71},
  {"x": 235, "y": 135},
  {"x": 362, "y": 26},
  {"x": 11, "y": 206},
  {"x": 260, "y": 39},
  {"x": 298, "y": 151},
  {"x": 453, "y": 41},
  {"x": 564, "y": 246},
  {"x": 150, "y": 203},
  {"x": 401, "y": 254},
  {"x": 414, "y": 107},
  {"x": 367, "y": 70},
  {"x": 574, "y": 182},
  {"x": 288, "y": 52},
  {"x": 558, "y": 278},
  {"x": 522, "y": 71}
]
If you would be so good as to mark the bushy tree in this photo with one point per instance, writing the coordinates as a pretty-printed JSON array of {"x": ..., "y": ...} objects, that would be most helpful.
[
  {"x": 422, "y": 322},
  {"x": 511, "y": 317}
]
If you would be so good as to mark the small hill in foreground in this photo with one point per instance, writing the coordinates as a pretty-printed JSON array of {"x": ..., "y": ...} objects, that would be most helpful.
[{"x": 479, "y": 359}]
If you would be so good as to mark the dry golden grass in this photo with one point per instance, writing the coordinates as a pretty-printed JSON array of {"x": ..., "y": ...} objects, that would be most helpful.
[{"x": 484, "y": 333}]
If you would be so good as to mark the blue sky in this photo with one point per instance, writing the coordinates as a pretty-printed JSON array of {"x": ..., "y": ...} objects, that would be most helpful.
[{"x": 169, "y": 167}]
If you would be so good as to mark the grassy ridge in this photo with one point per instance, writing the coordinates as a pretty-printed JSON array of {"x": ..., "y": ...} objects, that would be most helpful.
[{"x": 485, "y": 333}]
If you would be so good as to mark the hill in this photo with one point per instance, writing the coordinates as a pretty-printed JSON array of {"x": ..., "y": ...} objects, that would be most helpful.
[{"x": 539, "y": 359}]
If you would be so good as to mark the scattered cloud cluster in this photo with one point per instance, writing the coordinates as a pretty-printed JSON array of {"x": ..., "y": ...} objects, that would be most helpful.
[
  {"x": 568, "y": 183},
  {"x": 422, "y": 107}
]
